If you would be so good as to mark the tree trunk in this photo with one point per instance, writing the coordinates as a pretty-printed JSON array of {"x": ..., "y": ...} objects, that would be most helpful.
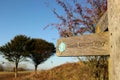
[
  {"x": 16, "y": 68},
  {"x": 36, "y": 68}
]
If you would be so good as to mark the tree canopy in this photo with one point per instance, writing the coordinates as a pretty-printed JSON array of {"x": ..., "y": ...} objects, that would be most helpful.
[
  {"x": 77, "y": 18},
  {"x": 40, "y": 50},
  {"x": 15, "y": 49}
]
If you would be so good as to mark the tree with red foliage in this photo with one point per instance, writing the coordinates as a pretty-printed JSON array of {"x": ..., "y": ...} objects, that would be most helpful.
[{"x": 79, "y": 18}]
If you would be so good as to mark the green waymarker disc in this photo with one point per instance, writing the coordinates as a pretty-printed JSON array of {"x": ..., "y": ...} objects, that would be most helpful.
[{"x": 62, "y": 47}]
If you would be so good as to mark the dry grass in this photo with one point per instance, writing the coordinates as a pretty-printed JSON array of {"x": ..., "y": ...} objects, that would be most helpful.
[
  {"x": 68, "y": 71},
  {"x": 10, "y": 75}
]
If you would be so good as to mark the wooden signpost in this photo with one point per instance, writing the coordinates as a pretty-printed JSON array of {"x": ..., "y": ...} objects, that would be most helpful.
[
  {"x": 100, "y": 43},
  {"x": 92, "y": 44}
]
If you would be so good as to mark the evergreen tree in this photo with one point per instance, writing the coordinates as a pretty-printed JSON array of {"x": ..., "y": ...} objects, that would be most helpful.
[
  {"x": 40, "y": 50},
  {"x": 15, "y": 51}
]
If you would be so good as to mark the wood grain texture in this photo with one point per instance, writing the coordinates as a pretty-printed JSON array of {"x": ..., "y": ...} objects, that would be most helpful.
[
  {"x": 102, "y": 24},
  {"x": 114, "y": 28},
  {"x": 92, "y": 44}
]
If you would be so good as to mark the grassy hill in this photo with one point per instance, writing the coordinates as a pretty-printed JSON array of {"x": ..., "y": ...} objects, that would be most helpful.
[{"x": 68, "y": 71}]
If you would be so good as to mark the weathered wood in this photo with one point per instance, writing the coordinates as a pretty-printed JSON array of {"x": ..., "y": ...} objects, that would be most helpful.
[
  {"x": 114, "y": 28},
  {"x": 92, "y": 44},
  {"x": 102, "y": 24}
]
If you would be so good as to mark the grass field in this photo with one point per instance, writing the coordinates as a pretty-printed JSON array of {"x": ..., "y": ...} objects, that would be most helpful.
[
  {"x": 68, "y": 71},
  {"x": 10, "y": 75}
]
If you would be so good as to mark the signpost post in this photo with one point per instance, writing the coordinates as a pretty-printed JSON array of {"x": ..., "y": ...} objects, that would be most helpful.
[{"x": 114, "y": 28}]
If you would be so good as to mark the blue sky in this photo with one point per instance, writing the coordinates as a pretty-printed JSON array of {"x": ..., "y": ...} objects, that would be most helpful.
[{"x": 29, "y": 17}]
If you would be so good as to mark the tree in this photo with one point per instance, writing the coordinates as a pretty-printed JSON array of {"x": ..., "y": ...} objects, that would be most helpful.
[
  {"x": 40, "y": 50},
  {"x": 77, "y": 19},
  {"x": 1, "y": 68},
  {"x": 15, "y": 51}
]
